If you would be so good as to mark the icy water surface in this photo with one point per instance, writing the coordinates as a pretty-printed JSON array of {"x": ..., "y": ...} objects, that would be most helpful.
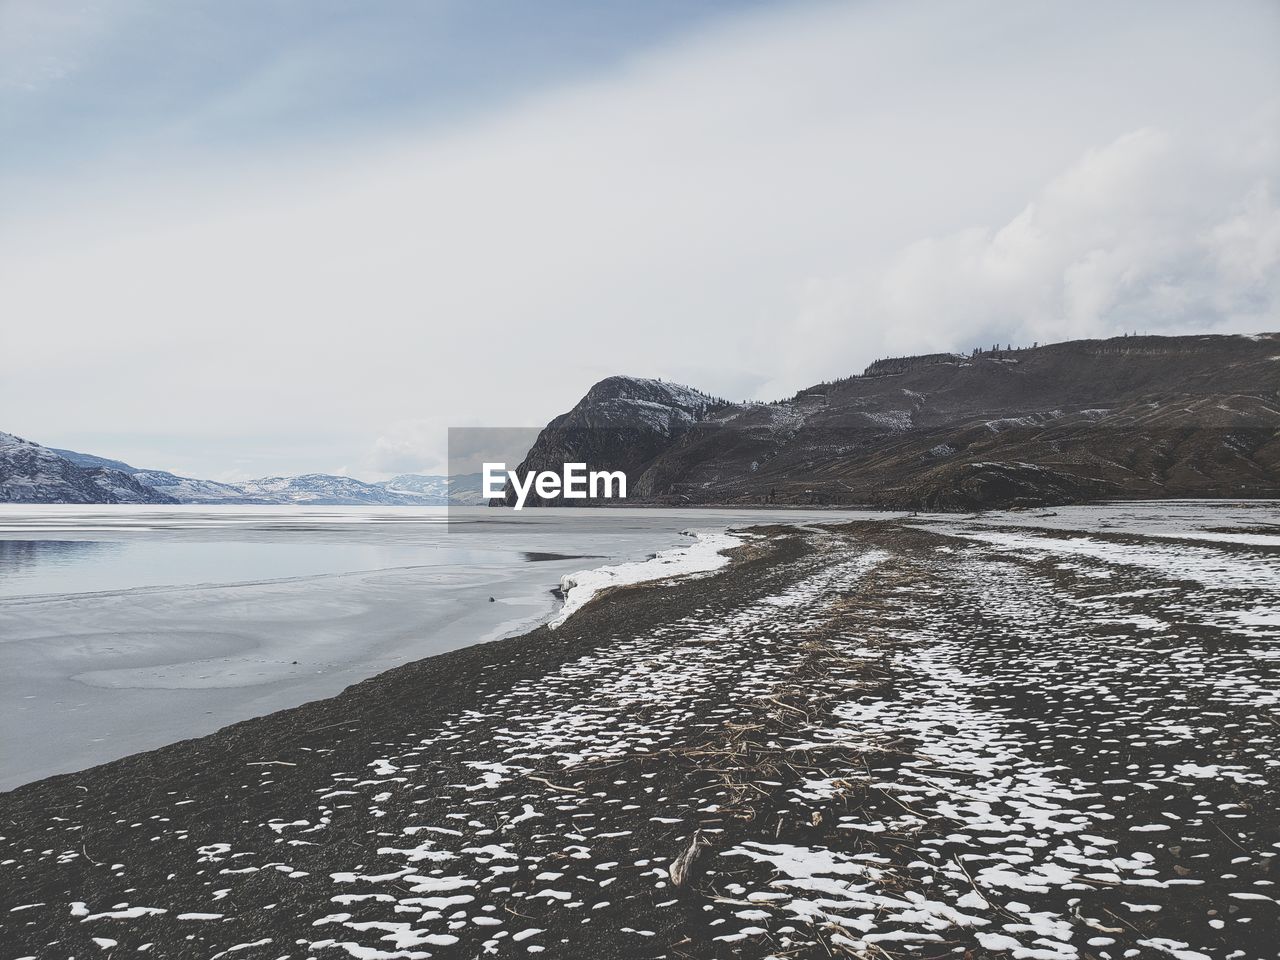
[
  {"x": 35, "y": 567},
  {"x": 126, "y": 628}
]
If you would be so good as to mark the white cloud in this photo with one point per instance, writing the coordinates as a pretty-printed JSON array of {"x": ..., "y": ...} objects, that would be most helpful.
[
  {"x": 408, "y": 447},
  {"x": 1245, "y": 250},
  {"x": 764, "y": 205},
  {"x": 1145, "y": 233}
]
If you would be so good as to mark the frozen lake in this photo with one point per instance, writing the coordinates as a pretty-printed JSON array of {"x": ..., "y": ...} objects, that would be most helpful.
[
  {"x": 127, "y": 628},
  {"x": 41, "y": 567}
]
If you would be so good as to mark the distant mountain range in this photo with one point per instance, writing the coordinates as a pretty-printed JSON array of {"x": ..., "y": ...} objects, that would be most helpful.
[
  {"x": 1127, "y": 417},
  {"x": 31, "y": 473}
]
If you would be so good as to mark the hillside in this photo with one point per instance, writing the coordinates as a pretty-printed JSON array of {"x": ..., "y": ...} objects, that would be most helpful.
[
  {"x": 322, "y": 489},
  {"x": 30, "y": 473},
  {"x": 1128, "y": 417}
]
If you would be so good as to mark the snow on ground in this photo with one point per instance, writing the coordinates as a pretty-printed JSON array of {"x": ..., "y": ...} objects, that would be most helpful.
[
  {"x": 900, "y": 744},
  {"x": 1101, "y": 687},
  {"x": 704, "y": 555},
  {"x": 1180, "y": 519},
  {"x": 1207, "y": 565}
]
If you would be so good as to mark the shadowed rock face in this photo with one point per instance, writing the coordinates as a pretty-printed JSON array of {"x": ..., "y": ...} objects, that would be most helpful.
[{"x": 1126, "y": 417}]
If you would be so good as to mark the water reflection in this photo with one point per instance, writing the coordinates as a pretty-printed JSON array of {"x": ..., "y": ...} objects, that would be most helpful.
[
  {"x": 31, "y": 568},
  {"x": 19, "y": 557}
]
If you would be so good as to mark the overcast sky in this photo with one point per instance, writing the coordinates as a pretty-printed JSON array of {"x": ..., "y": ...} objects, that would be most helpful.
[{"x": 248, "y": 238}]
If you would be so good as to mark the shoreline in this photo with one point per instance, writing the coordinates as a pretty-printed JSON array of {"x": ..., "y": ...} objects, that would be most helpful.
[
  {"x": 130, "y": 666},
  {"x": 827, "y": 744},
  {"x": 231, "y": 615}
]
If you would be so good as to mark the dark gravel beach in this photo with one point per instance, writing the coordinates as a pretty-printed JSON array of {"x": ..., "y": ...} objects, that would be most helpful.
[{"x": 869, "y": 740}]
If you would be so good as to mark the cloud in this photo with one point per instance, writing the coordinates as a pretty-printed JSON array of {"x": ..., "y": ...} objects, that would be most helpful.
[
  {"x": 403, "y": 455},
  {"x": 763, "y": 204},
  {"x": 1144, "y": 233},
  {"x": 1245, "y": 253}
]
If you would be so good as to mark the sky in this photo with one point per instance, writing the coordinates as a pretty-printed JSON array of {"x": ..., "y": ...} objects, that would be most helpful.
[{"x": 244, "y": 238}]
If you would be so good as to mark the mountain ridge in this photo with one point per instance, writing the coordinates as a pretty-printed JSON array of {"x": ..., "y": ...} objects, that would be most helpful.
[
  {"x": 32, "y": 473},
  {"x": 1125, "y": 417}
]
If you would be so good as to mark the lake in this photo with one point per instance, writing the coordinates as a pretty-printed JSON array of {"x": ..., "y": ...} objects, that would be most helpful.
[{"x": 124, "y": 628}]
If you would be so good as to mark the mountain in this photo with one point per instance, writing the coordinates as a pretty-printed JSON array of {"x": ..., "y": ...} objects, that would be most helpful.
[
  {"x": 461, "y": 490},
  {"x": 91, "y": 479},
  {"x": 417, "y": 485},
  {"x": 325, "y": 489},
  {"x": 90, "y": 462},
  {"x": 628, "y": 424},
  {"x": 30, "y": 473},
  {"x": 467, "y": 490},
  {"x": 189, "y": 489},
  {"x": 180, "y": 489},
  {"x": 1128, "y": 417}
]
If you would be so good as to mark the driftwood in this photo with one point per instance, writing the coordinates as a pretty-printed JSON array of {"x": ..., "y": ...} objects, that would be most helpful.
[{"x": 681, "y": 865}]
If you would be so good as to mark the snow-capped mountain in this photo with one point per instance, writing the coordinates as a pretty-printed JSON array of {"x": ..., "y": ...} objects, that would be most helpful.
[
  {"x": 460, "y": 490},
  {"x": 189, "y": 489},
  {"x": 323, "y": 488},
  {"x": 180, "y": 489},
  {"x": 467, "y": 490},
  {"x": 624, "y": 423},
  {"x": 30, "y": 473},
  {"x": 416, "y": 484},
  {"x": 90, "y": 462}
]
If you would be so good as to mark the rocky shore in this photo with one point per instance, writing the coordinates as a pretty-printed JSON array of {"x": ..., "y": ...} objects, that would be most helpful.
[{"x": 872, "y": 739}]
